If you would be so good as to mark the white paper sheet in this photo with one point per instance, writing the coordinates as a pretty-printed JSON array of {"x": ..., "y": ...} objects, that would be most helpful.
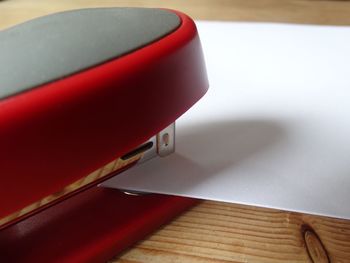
[{"x": 274, "y": 128}]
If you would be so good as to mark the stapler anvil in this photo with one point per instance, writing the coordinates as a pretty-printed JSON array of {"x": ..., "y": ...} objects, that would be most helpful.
[{"x": 84, "y": 95}]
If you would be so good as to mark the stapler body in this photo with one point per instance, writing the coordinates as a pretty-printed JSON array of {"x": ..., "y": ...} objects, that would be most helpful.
[{"x": 84, "y": 95}]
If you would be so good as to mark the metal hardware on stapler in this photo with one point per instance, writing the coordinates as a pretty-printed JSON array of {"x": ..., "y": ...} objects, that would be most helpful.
[{"x": 161, "y": 144}]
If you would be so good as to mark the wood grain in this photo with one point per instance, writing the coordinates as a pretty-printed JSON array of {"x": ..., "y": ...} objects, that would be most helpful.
[
  {"x": 221, "y": 232},
  {"x": 214, "y": 231}
]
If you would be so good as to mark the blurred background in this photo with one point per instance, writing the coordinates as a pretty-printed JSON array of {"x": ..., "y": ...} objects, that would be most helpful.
[{"x": 290, "y": 11}]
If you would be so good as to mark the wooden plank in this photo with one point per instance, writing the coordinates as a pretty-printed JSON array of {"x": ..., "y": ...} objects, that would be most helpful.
[
  {"x": 291, "y": 11},
  {"x": 214, "y": 231},
  {"x": 220, "y": 232}
]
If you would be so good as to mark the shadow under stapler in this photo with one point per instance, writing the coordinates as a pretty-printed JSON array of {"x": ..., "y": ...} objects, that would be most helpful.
[
  {"x": 203, "y": 151},
  {"x": 213, "y": 147},
  {"x": 227, "y": 143}
]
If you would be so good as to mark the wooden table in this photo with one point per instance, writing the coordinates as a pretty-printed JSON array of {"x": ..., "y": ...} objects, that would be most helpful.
[{"x": 214, "y": 231}]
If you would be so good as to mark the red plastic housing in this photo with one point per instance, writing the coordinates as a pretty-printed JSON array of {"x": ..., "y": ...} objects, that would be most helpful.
[
  {"x": 92, "y": 226},
  {"x": 55, "y": 134}
]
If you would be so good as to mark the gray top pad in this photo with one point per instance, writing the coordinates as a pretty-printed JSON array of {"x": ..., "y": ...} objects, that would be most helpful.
[{"x": 56, "y": 46}]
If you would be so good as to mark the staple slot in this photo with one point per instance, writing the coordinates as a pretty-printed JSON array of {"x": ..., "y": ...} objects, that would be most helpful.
[{"x": 143, "y": 148}]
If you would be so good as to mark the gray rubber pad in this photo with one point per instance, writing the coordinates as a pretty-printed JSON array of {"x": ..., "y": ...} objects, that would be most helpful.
[{"x": 56, "y": 46}]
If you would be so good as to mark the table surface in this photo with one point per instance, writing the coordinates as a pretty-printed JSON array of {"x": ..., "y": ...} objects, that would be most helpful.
[{"x": 215, "y": 231}]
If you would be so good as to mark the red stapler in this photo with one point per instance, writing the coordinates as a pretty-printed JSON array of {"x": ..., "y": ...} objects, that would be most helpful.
[{"x": 84, "y": 95}]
